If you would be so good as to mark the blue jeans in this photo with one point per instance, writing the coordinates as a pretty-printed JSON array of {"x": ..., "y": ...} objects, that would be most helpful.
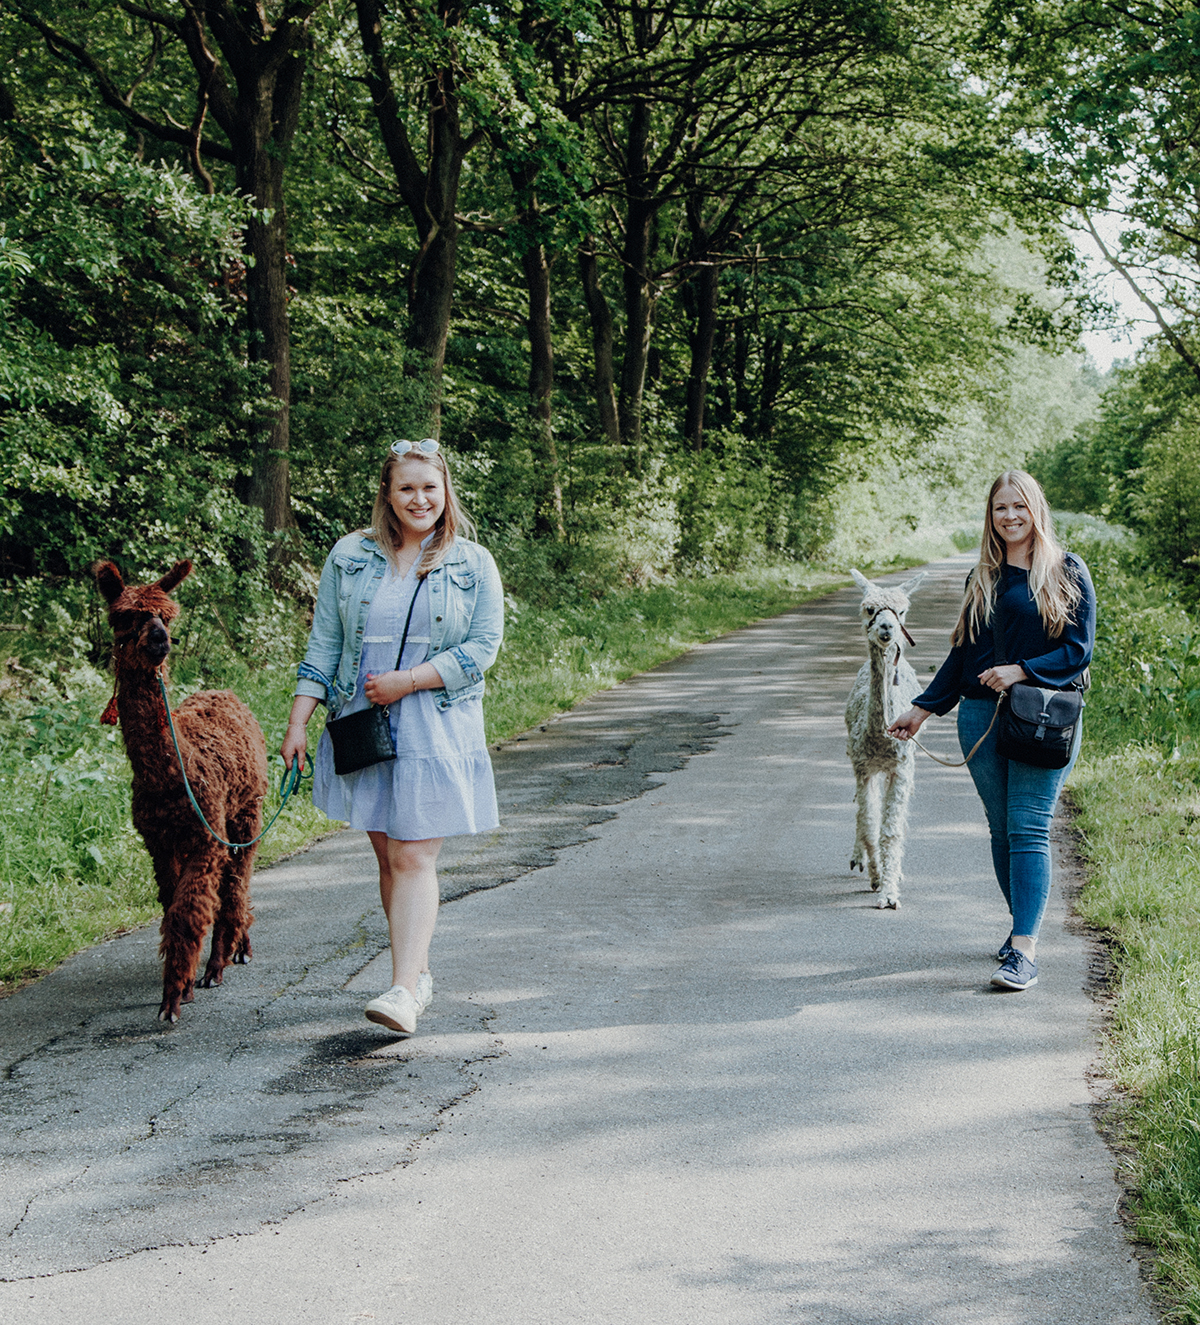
[{"x": 1019, "y": 802}]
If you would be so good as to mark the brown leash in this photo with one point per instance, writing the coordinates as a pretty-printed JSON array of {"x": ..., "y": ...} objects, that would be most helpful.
[{"x": 962, "y": 763}]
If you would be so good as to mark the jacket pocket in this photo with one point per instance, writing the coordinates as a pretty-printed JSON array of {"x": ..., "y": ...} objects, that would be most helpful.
[{"x": 463, "y": 579}]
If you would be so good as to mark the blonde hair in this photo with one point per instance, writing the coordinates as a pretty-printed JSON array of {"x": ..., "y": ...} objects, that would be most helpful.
[
  {"x": 1051, "y": 583},
  {"x": 385, "y": 525}
]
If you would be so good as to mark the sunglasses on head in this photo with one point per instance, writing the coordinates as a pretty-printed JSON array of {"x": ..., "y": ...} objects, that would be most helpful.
[{"x": 427, "y": 447}]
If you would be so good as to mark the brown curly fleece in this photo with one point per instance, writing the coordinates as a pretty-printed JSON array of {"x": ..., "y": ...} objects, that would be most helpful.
[{"x": 200, "y": 882}]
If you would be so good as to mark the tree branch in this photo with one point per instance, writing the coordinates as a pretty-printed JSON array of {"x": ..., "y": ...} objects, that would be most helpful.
[
  {"x": 1168, "y": 331},
  {"x": 66, "y": 50}
]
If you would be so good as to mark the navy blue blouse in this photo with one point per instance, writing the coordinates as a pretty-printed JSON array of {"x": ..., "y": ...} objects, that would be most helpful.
[{"x": 1052, "y": 663}]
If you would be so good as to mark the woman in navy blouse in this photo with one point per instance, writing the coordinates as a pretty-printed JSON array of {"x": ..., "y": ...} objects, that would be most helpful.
[{"x": 1048, "y": 610}]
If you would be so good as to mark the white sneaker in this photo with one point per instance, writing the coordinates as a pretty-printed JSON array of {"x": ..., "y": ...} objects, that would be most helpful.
[
  {"x": 424, "y": 991},
  {"x": 396, "y": 1009}
]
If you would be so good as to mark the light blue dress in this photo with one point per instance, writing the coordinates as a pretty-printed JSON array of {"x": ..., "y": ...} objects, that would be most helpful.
[{"x": 440, "y": 783}]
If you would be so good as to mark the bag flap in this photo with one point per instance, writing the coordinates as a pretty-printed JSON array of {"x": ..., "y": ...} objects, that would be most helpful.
[{"x": 1055, "y": 708}]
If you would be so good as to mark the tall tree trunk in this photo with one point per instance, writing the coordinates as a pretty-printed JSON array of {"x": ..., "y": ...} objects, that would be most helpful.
[
  {"x": 603, "y": 375},
  {"x": 549, "y": 502},
  {"x": 267, "y": 110},
  {"x": 639, "y": 303},
  {"x": 701, "y": 338},
  {"x": 431, "y": 195},
  {"x": 772, "y": 383}
]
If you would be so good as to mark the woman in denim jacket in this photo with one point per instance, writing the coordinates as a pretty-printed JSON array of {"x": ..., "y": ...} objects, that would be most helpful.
[{"x": 440, "y": 783}]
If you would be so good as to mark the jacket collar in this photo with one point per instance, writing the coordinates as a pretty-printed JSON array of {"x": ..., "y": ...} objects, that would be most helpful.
[{"x": 455, "y": 554}]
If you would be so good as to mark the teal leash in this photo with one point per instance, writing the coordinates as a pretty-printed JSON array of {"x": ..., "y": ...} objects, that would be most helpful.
[{"x": 288, "y": 784}]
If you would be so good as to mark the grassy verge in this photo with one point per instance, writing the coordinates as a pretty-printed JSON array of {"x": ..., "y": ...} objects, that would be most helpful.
[
  {"x": 1137, "y": 793},
  {"x": 72, "y": 868},
  {"x": 1140, "y": 816}
]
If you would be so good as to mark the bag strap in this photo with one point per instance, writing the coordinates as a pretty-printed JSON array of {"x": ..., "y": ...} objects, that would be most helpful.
[
  {"x": 404, "y": 637},
  {"x": 407, "y": 623}
]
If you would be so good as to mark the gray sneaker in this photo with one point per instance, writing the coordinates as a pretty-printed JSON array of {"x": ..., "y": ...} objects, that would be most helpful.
[
  {"x": 397, "y": 1009},
  {"x": 424, "y": 991},
  {"x": 1017, "y": 972}
]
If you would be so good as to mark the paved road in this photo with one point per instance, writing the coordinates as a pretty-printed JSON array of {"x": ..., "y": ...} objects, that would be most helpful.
[{"x": 678, "y": 1068}]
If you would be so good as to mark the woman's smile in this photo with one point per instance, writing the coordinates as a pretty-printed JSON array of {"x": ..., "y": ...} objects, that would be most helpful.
[
  {"x": 1011, "y": 518},
  {"x": 417, "y": 496}
]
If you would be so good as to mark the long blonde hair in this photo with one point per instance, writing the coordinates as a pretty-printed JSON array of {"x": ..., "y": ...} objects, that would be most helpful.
[
  {"x": 1054, "y": 588},
  {"x": 385, "y": 525}
]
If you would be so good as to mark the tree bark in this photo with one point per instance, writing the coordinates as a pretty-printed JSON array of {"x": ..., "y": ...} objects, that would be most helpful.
[
  {"x": 639, "y": 302},
  {"x": 268, "y": 107},
  {"x": 259, "y": 115},
  {"x": 701, "y": 338},
  {"x": 603, "y": 375},
  {"x": 548, "y": 521},
  {"x": 772, "y": 383}
]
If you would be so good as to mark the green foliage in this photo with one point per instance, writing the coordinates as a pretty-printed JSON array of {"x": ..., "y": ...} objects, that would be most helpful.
[
  {"x": 1138, "y": 462},
  {"x": 124, "y": 398}
]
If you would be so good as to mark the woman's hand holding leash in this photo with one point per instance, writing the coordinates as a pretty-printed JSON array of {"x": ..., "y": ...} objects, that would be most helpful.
[
  {"x": 295, "y": 740},
  {"x": 908, "y": 724}
]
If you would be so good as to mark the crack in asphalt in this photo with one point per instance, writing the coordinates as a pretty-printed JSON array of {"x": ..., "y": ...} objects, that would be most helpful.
[{"x": 271, "y": 1090}]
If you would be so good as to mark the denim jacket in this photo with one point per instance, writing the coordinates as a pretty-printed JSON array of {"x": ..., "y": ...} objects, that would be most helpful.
[{"x": 466, "y": 619}]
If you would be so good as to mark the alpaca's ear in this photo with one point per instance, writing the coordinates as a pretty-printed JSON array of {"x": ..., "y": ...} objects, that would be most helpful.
[
  {"x": 175, "y": 576},
  {"x": 108, "y": 580},
  {"x": 861, "y": 580},
  {"x": 910, "y": 587}
]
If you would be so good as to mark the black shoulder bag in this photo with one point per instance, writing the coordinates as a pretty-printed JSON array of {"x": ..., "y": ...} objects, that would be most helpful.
[
  {"x": 365, "y": 738},
  {"x": 1037, "y": 726}
]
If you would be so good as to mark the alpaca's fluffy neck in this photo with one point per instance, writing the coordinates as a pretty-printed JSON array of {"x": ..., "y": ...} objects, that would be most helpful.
[
  {"x": 143, "y": 718},
  {"x": 883, "y": 676}
]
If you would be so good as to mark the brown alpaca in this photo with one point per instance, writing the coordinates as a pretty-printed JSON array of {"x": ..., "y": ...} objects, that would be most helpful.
[{"x": 199, "y": 880}]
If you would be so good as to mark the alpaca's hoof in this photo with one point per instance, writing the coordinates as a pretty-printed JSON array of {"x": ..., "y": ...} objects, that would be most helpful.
[
  {"x": 889, "y": 904},
  {"x": 875, "y": 887},
  {"x": 243, "y": 954},
  {"x": 212, "y": 977},
  {"x": 165, "y": 1014}
]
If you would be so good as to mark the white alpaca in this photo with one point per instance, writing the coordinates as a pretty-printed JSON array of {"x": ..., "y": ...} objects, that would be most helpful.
[{"x": 883, "y": 767}]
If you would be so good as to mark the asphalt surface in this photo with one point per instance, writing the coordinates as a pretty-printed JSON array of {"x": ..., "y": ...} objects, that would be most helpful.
[{"x": 677, "y": 1068}]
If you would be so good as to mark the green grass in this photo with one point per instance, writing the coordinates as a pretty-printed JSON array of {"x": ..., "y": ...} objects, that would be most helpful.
[
  {"x": 72, "y": 868},
  {"x": 1139, "y": 813},
  {"x": 1137, "y": 797}
]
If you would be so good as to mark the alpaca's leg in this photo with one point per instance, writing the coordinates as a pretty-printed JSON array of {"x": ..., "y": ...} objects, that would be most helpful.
[
  {"x": 231, "y": 941},
  {"x": 892, "y": 831},
  {"x": 858, "y": 854},
  {"x": 866, "y": 841},
  {"x": 166, "y": 871},
  {"x": 184, "y": 925},
  {"x": 230, "y": 938}
]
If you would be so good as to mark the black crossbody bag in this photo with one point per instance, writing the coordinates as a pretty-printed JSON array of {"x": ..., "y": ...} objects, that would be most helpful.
[
  {"x": 1037, "y": 725},
  {"x": 365, "y": 738}
]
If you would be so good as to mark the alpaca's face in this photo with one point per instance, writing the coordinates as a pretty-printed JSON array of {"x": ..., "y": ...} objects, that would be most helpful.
[
  {"x": 140, "y": 619},
  {"x": 883, "y": 619},
  {"x": 140, "y": 614}
]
